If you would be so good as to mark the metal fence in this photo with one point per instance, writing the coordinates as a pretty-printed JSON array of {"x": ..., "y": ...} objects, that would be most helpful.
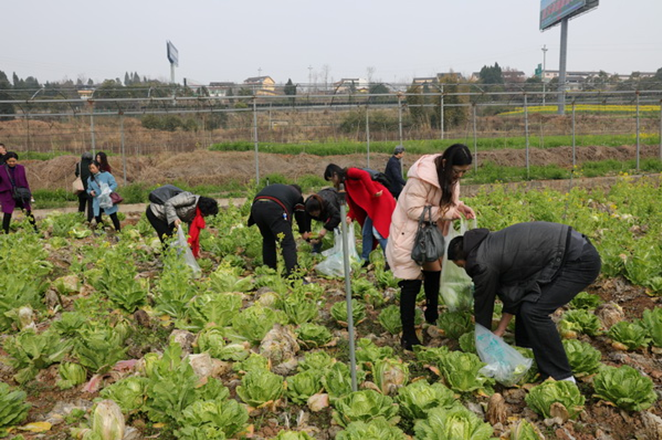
[{"x": 135, "y": 121}]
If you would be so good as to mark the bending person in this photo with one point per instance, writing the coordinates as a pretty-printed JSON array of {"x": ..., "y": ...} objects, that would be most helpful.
[
  {"x": 433, "y": 180},
  {"x": 534, "y": 268},
  {"x": 323, "y": 207}
]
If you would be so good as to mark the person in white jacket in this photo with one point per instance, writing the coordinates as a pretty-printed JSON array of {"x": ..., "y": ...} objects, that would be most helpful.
[{"x": 433, "y": 180}]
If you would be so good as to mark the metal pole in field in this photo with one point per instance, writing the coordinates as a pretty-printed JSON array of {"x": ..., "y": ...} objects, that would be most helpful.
[
  {"x": 257, "y": 161},
  {"x": 638, "y": 132},
  {"x": 367, "y": 134},
  {"x": 526, "y": 132},
  {"x": 562, "y": 65},
  {"x": 473, "y": 106},
  {"x": 660, "y": 153},
  {"x": 123, "y": 150},
  {"x": 400, "y": 116},
  {"x": 574, "y": 153},
  {"x": 441, "y": 112},
  {"x": 94, "y": 147},
  {"x": 348, "y": 284}
]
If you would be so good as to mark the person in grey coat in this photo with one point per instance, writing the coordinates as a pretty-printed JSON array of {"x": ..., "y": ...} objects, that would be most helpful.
[
  {"x": 534, "y": 268},
  {"x": 394, "y": 171}
]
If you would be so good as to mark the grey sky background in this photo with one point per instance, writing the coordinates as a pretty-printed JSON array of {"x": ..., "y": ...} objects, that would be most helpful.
[{"x": 229, "y": 40}]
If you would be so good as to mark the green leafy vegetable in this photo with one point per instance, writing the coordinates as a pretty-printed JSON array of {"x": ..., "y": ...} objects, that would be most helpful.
[
  {"x": 525, "y": 431},
  {"x": 367, "y": 352},
  {"x": 390, "y": 374},
  {"x": 339, "y": 312},
  {"x": 468, "y": 342},
  {"x": 364, "y": 406},
  {"x": 259, "y": 387},
  {"x": 299, "y": 309},
  {"x": 579, "y": 321},
  {"x": 129, "y": 393},
  {"x": 303, "y": 385},
  {"x": 375, "y": 429},
  {"x": 224, "y": 415},
  {"x": 389, "y": 318},
  {"x": 456, "y": 423},
  {"x": 71, "y": 375},
  {"x": 585, "y": 300},
  {"x": 583, "y": 358},
  {"x": 566, "y": 393},
  {"x": 625, "y": 387},
  {"x": 31, "y": 351},
  {"x": 462, "y": 372},
  {"x": 652, "y": 321},
  {"x": 313, "y": 335},
  {"x": 455, "y": 324},
  {"x": 213, "y": 308},
  {"x": 630, "y": 334},
  {"x": 254, "y": 322},
  {"x": 418, "y": 398},
  {"x": 13, "y": 408}
]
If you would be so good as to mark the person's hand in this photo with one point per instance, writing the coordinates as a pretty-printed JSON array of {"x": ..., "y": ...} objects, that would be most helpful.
[
  {"x": 469, "y": 213},
  {"x": 306, "y": 235},
  {"x": 499, "y": 332},
  {"x": 93, "y": 193},
  {"x": 322, "y": 233},
  {"x": 177, "y": 223},
  {"x": 379, "y": 193}
]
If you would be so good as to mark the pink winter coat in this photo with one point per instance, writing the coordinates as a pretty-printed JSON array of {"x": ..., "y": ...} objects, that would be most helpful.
[{"x": 422, "y": 189}]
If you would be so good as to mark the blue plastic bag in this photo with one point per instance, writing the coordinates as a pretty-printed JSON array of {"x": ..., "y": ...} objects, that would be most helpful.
[{"x": 505, "y": 364}]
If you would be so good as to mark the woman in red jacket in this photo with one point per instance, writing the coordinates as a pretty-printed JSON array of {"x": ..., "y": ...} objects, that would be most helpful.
[{"x": 370, "y": 203}]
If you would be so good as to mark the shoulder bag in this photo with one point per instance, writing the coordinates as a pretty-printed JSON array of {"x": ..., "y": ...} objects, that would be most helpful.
[
  {"x": 19, "y": 193},
  {"x": 429, "y": 242}
]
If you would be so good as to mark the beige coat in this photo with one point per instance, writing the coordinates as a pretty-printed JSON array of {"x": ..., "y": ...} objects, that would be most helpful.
[{"x": 422, "y": 189}]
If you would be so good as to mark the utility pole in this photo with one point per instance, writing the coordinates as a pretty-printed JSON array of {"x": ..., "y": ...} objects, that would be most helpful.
[
  {"x": 544, "y": 58},
  {"x": 310, "y": 79}
]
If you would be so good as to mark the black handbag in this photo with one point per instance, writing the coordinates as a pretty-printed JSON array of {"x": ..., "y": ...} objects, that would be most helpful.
[
  {"x": 429, "y": 243},
  {"x": 19, "y": 193}
]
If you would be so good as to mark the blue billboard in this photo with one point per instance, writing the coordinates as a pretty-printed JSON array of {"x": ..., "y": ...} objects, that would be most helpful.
[{"x": 553, "y": 11}]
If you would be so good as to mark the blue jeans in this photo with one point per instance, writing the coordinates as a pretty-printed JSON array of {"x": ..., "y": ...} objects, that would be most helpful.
[{"x": 368, "y": 233}]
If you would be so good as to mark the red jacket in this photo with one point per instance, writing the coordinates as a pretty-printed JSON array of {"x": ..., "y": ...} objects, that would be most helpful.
[{"x": 361, "y": 190}]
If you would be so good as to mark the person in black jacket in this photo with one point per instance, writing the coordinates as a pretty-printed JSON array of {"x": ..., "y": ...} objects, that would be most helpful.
[
  {"x": 534, "y": 268},
  {"x": 394, "y": 171},
  {"x": 272, "y": 211},
  {"x": 323, "y": 207},
  {"x": 83, "y": 171},
  {"x": 3, "y": 151}
]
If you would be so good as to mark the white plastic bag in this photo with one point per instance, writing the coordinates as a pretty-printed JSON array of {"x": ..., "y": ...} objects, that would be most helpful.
[
  {"x": 104, "y": 198},
  {"x": 333, "y": 265},
  {"x": 181, "y": 244},
  {"x": 456, "y": 287},
  {"x": 505, "y": 364}
]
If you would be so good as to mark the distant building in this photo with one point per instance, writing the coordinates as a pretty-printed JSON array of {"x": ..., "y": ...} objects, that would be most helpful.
[
  {"x": 85, "y": 93},
  {"x": 261, "y": 85},
  {"x": 513, "y": 76},
  {"x": 351, "y": 85},
  {"x": 436, "y": 79},
  {"x": 221, "y": 88}
]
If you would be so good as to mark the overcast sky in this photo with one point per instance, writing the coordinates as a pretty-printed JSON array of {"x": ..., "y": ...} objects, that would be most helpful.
[{"x": 230, "y": 40}]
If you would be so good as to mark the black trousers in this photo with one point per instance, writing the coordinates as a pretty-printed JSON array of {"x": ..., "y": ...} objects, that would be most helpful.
[
  {"x": 534, "y": 327},
  {"x": 271, "y": 219},
  {"x": 84, "y": 199},
  {"x": 6, "y": 218},
  {"x": 163, "y": 229}
]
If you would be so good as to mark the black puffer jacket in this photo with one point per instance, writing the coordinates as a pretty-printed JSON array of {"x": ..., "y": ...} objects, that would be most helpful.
[
  {"x": 330, "y": 214},
  {"x": 512, "y": 263}
]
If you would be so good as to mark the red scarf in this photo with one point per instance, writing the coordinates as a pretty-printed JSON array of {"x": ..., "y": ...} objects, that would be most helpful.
[{"x": 197, "y": 224}]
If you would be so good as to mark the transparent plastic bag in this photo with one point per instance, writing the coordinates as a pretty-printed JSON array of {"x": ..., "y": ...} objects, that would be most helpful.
[
  {"x": 333, "y": 265},
  {"x": 104, "y": 197},
  {"x": 504, "y": 363},
  {"x": 181, "y": 244},
  {"x": 456, "y": 287}
]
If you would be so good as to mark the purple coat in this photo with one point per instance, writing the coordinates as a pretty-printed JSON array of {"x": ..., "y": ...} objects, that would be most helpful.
[{"x": 6, "y": 200}]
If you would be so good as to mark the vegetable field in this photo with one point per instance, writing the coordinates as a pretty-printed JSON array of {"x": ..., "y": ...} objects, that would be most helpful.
[{"x": 104, "y": 336}]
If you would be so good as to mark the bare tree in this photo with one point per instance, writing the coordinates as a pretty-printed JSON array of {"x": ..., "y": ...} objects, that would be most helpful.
[{"x": 326, "y": 69}]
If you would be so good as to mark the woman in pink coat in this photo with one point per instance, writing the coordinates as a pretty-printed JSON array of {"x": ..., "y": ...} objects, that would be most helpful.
[{"x": 433, "y": 180}]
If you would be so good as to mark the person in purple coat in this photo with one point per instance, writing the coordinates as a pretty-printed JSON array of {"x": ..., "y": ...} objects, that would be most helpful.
[{"x": 13, "y": 175}]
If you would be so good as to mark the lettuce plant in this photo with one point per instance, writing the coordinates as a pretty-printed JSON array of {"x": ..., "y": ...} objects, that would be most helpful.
[
  {"x": 316, "y": 360},
  {"x": 390, "y": 374},
  {"x": 376, "y": 429},
  {"x": 254, "y": 322},
  {"x": 579, "y": 321},
  {"x": 253, "y": 362},
  {"x": 13, "y": 408},
  {"x": 455, "y": 324},
  {"x": 129, "y": 393},
  {"x": 456, "y": 423},
  {"x": 585, "y": 300},
  {"x": 31, "y": 352},
  {"x": 224, "y": 415},
  {"x": 583, "y": 358},
  {"x": 212, "y": 341},
  {"x": 389, "y": 318},
  {"x": 313, "y": 335},
  {"x": 364, "y": 405},
  {"x": 71, "y": 374},
  {"x": 99, "y": 349},
  {"x": 368, "y": 352},
  {"x": 260, "y": 387},
  {"x": 629, "y": 334},
  {"x": 525, "y": 431},
  {"x": 566, "y": 393},
  {"x": 337, "y": 380},
  {"x": 652, "y": 322},
  {"x": 532, "y": 374},
  {"x": 292, "y": 435},
  {"x": 226, "y": 279},
  {"x": 468, "y": 342},
  {"x": 462, "y": 372},
  {"x": 299, "y": 309},
  {"x": 339, "y": 312},
  {"x": 625, "y": 387},
  {"x": 418, "y": 398},
  {"x": 303, "y": 385},
  {"x": 213, "y": 308}
]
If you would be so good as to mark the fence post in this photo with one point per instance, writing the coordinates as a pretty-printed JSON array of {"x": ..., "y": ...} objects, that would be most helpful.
[
  {"x": 367, "y": 134},
  {"x": 638, "y": 131},
  {"x": 660, "y": 152},
  {"x": 123, "y": 150},
  {"x": 348, "y": 285},
  {"x": 574, "y": 152},
  {"x": 400, "y": 116},
  {"x": 94, "y": 146},
  {"x": 257, "y": 161},
  {"x": 473, "y": 106},
  {"x": 441, "y": 112},
  {"x": 526, "y": 132}
]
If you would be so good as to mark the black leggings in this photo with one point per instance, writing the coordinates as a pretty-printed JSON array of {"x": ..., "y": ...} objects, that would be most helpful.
[
  {"x": 113, "y": 217},
  {"x": 6, "y": 220}
]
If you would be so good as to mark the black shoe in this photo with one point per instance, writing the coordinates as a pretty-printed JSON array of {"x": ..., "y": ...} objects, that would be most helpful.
[
  {"x": 366, "y": 263},
  {"x": 431, "y": 316},
  {"x": 408, "y": 343}
]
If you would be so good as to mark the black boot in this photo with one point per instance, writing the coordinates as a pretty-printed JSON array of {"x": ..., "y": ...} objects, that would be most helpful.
[
  {"x": 408, "y": 291},
  {"x": 431, "y": 286}
]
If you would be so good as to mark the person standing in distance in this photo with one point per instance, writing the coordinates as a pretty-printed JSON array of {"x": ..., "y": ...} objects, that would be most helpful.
[{"x": 394, "y": 171}]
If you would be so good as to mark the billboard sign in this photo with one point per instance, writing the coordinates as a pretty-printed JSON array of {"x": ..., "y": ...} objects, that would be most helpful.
[
  {"x": 553, "y": 12},
  {"x": 173, "y": 55}
]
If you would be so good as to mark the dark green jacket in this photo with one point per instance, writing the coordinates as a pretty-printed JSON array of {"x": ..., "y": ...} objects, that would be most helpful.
[{"x": 512, "y": 263}]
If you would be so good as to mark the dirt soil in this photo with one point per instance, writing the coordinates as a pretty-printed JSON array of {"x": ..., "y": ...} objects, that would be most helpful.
[{"x": 216, "y": 167}]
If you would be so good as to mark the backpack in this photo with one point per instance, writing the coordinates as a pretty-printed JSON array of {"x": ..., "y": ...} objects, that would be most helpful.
[
  {"x": 380, "y": 177},
  {"x": 164, "y": 193}
]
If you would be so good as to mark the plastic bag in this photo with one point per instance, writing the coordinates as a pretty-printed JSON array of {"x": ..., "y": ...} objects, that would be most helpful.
[
  {"x": 181, "y": 244},
  {"x": 105, "y": 201},
  {"x": 504, "y": 363},
  {"x": 334, "y": 265},
  {"x": 456, "y": 287}
]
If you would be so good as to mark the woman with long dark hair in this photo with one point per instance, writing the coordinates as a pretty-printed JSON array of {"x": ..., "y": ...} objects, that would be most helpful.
[
  {"x": 323, "y": 207},
  {"x": 370, "y": 203},
  {"x": 12, "y": 175},
  {"x": 433, "y": 180},
  {"x": 102, "y": 159},
  {"x": 95, "y": 182}
]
